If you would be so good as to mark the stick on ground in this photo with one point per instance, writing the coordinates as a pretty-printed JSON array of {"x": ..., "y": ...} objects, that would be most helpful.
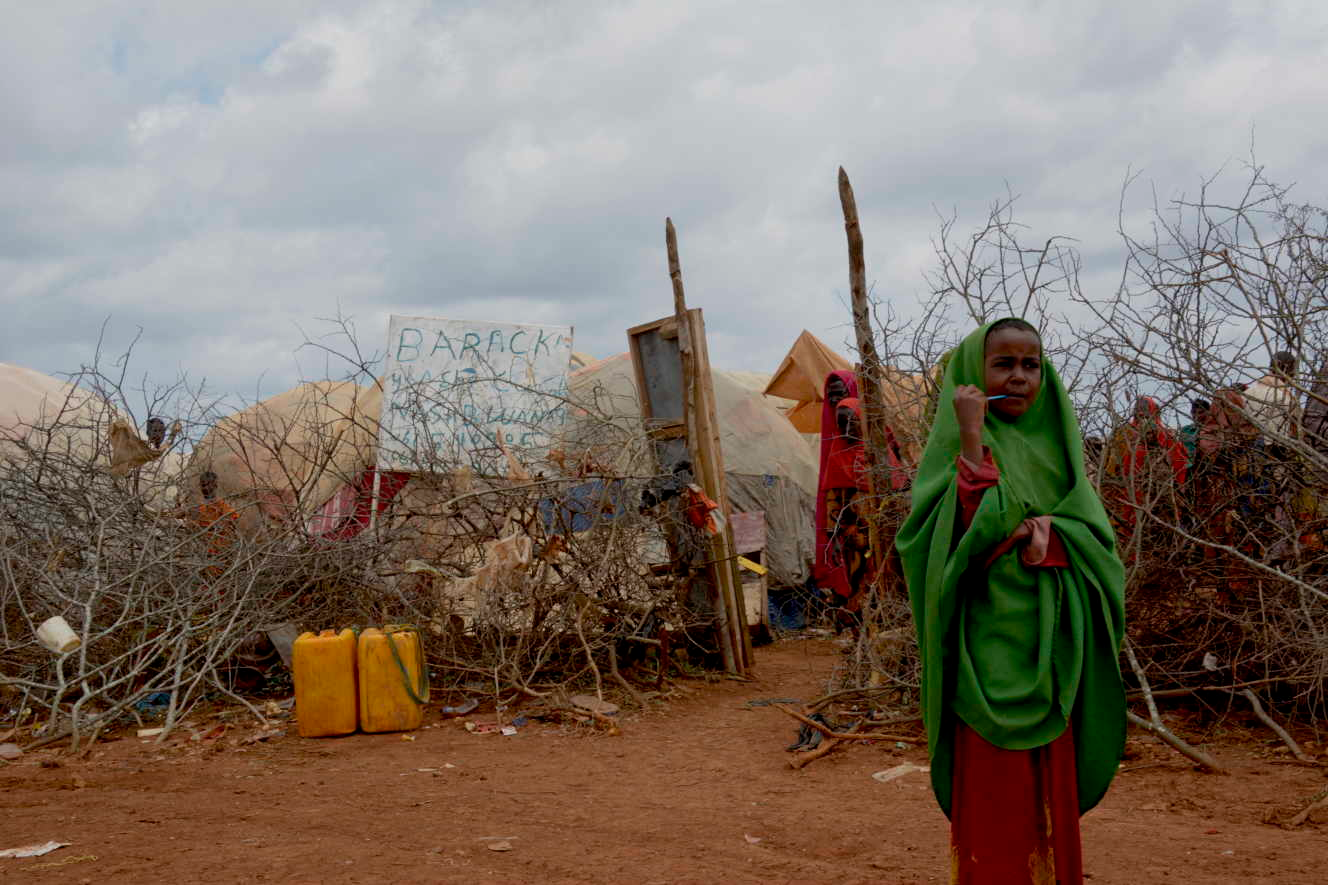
[
  {"x": 1276, "y": 728},
  {"x": 1156, "y": 726},
  {"x": 1320, "y": 800},
  {"x": 850, "y": 735}
]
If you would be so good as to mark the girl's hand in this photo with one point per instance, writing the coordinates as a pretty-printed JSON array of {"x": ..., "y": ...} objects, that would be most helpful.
[
  {"x": 1020, "y": 536},
  {"x": 970, "y": 405}
]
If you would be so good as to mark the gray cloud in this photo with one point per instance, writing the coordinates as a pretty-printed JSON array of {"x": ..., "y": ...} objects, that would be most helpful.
[{"x": 224, "y": 177}]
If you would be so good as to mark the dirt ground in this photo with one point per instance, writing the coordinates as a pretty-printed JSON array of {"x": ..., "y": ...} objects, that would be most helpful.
[{"x": 699, "y": 790}]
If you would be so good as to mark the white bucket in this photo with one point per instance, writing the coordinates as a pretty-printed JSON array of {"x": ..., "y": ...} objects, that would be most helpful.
[{"x": 54, "y": 633}]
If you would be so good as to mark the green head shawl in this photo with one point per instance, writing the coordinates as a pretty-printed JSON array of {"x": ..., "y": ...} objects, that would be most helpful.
[{"x": 1017, "y": 653}]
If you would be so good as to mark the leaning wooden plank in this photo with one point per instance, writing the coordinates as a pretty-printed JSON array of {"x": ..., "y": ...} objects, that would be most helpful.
[
  {"x": 708, "y": 442},
  {"x": 724, "y": 610}
]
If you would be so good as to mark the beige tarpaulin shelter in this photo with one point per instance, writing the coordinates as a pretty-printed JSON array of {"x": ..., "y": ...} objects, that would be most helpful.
[
  {"x": 52, "y": 415},
  {"x": 767, "y": 462},
  {"x": 291, "y": 454},
  {"x": 757, "y": 382},
  {"x": 72, "y": 423}
]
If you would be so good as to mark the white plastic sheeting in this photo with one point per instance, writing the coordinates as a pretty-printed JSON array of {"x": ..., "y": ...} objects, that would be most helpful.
[{"x": 768, "y": 463}]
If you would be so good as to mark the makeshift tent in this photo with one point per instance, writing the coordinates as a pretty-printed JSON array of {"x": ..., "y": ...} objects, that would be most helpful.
[
  {"x": 801, "y": 376},
  {"x": 757, "y": 382},
  {"x": 768, "y": 463},
  {"x": 303, "y": 457},
  {"x": 52, "y": 416},
  {"x": 74, "y": 427}
]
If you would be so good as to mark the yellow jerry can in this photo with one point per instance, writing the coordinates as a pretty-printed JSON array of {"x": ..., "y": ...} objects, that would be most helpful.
[
  {"x": 394, "y": 683},
  {"x": 326, "y": 700}
]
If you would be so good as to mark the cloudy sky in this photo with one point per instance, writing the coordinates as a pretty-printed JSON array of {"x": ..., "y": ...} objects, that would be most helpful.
[{"x": 223, "y": 175}]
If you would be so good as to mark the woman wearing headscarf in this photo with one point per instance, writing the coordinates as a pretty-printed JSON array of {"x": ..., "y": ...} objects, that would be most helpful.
[
  {"x": 1018, "y": 598},
  {"x": 1145, "y": 464},
  {"x": 846, "y": 503},
  {"x": 828, "y": 569},
  {"x": 1189, "y": 434},
  {"x": 843, "y": 482}
]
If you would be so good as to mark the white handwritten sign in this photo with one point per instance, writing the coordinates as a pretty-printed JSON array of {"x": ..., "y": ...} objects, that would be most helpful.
[{"x": 451, "y": 387}]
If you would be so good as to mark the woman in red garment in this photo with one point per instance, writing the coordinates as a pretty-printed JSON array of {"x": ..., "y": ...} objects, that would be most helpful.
[
  {"x": 1018, "y": 600},
  {"x": 846, "y": 499},
  {"x": 1146, "y": 463},
  {"x": 846, "y": 504},
  {"x": 828, "y": 569}
]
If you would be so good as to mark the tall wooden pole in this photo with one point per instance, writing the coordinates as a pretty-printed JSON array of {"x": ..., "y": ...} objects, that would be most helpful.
[
  {"x": 685, "y": 352},
  {"x": 871, "y": 376},
  {"x": 690, "y": 403}
]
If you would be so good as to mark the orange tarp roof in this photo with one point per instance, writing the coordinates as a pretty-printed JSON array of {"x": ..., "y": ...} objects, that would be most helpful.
[{"x": 801, "y": 376}]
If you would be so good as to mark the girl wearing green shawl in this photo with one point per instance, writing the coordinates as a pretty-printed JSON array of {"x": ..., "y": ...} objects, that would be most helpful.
[{"x": 1018, "y": 597}]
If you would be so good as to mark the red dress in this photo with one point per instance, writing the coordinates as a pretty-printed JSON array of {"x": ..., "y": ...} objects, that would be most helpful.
[{"x": 1014, "y": 815}]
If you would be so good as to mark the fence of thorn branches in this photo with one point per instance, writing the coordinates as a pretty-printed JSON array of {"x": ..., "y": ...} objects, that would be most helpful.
[
  {"x": 1223, "y": 540},
  {"x": 536, "y": 572},
  {"x": 531, "y": 574}
]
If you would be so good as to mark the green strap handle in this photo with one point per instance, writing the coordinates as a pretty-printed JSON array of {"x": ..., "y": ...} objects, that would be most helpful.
[{"x": 418, "y": 693}]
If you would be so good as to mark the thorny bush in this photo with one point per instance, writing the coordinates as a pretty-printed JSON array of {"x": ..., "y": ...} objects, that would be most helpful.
[
  {"x": 1227, "y": 568},
  {"x": 528, "y": 574}
]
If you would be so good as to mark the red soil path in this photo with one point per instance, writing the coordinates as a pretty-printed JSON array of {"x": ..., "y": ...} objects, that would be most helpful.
[{"x": 696, "y": 791}]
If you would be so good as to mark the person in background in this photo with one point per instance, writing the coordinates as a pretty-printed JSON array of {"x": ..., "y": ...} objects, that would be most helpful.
[
  {"x": 129, "y": 453},
  {"x": 1019, "y": 602},
  {"x": 1227, "y": 481},
  {"x": 1316, "y": 412},
  {"x": 1272, "y": 401},
  {"x": 256, "y": 654},
  {"x": 1189, "y": 434},
  {"x": 847, "y": 503},
  {"x": 1311, "y": 510},
  {"x": 1146, "y": 464},
  {"x": 156, "y": 431},
  {"x": 1273, "y": 404},
  {"x": 215, "y": 519},
  {"x": 828, "y": 569},
  {"x": 1189, "y": 438},
  {"x": 852, "y": 499}
]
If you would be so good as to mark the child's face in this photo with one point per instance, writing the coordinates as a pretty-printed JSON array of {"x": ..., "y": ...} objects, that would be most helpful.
[
  {"x": 835, "y": 390},
  {"x": 1013, "y": 369}
]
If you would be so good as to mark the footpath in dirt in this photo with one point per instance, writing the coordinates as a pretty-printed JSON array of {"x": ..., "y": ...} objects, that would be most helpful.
[{"x": 699, "y": 790}]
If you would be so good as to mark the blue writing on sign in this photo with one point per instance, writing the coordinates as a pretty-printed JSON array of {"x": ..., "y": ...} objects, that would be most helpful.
[{"x": 453, "y": 392}]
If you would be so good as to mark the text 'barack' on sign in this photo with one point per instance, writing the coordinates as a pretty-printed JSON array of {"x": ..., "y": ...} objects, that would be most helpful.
[{"x": 458, "y": 391}]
